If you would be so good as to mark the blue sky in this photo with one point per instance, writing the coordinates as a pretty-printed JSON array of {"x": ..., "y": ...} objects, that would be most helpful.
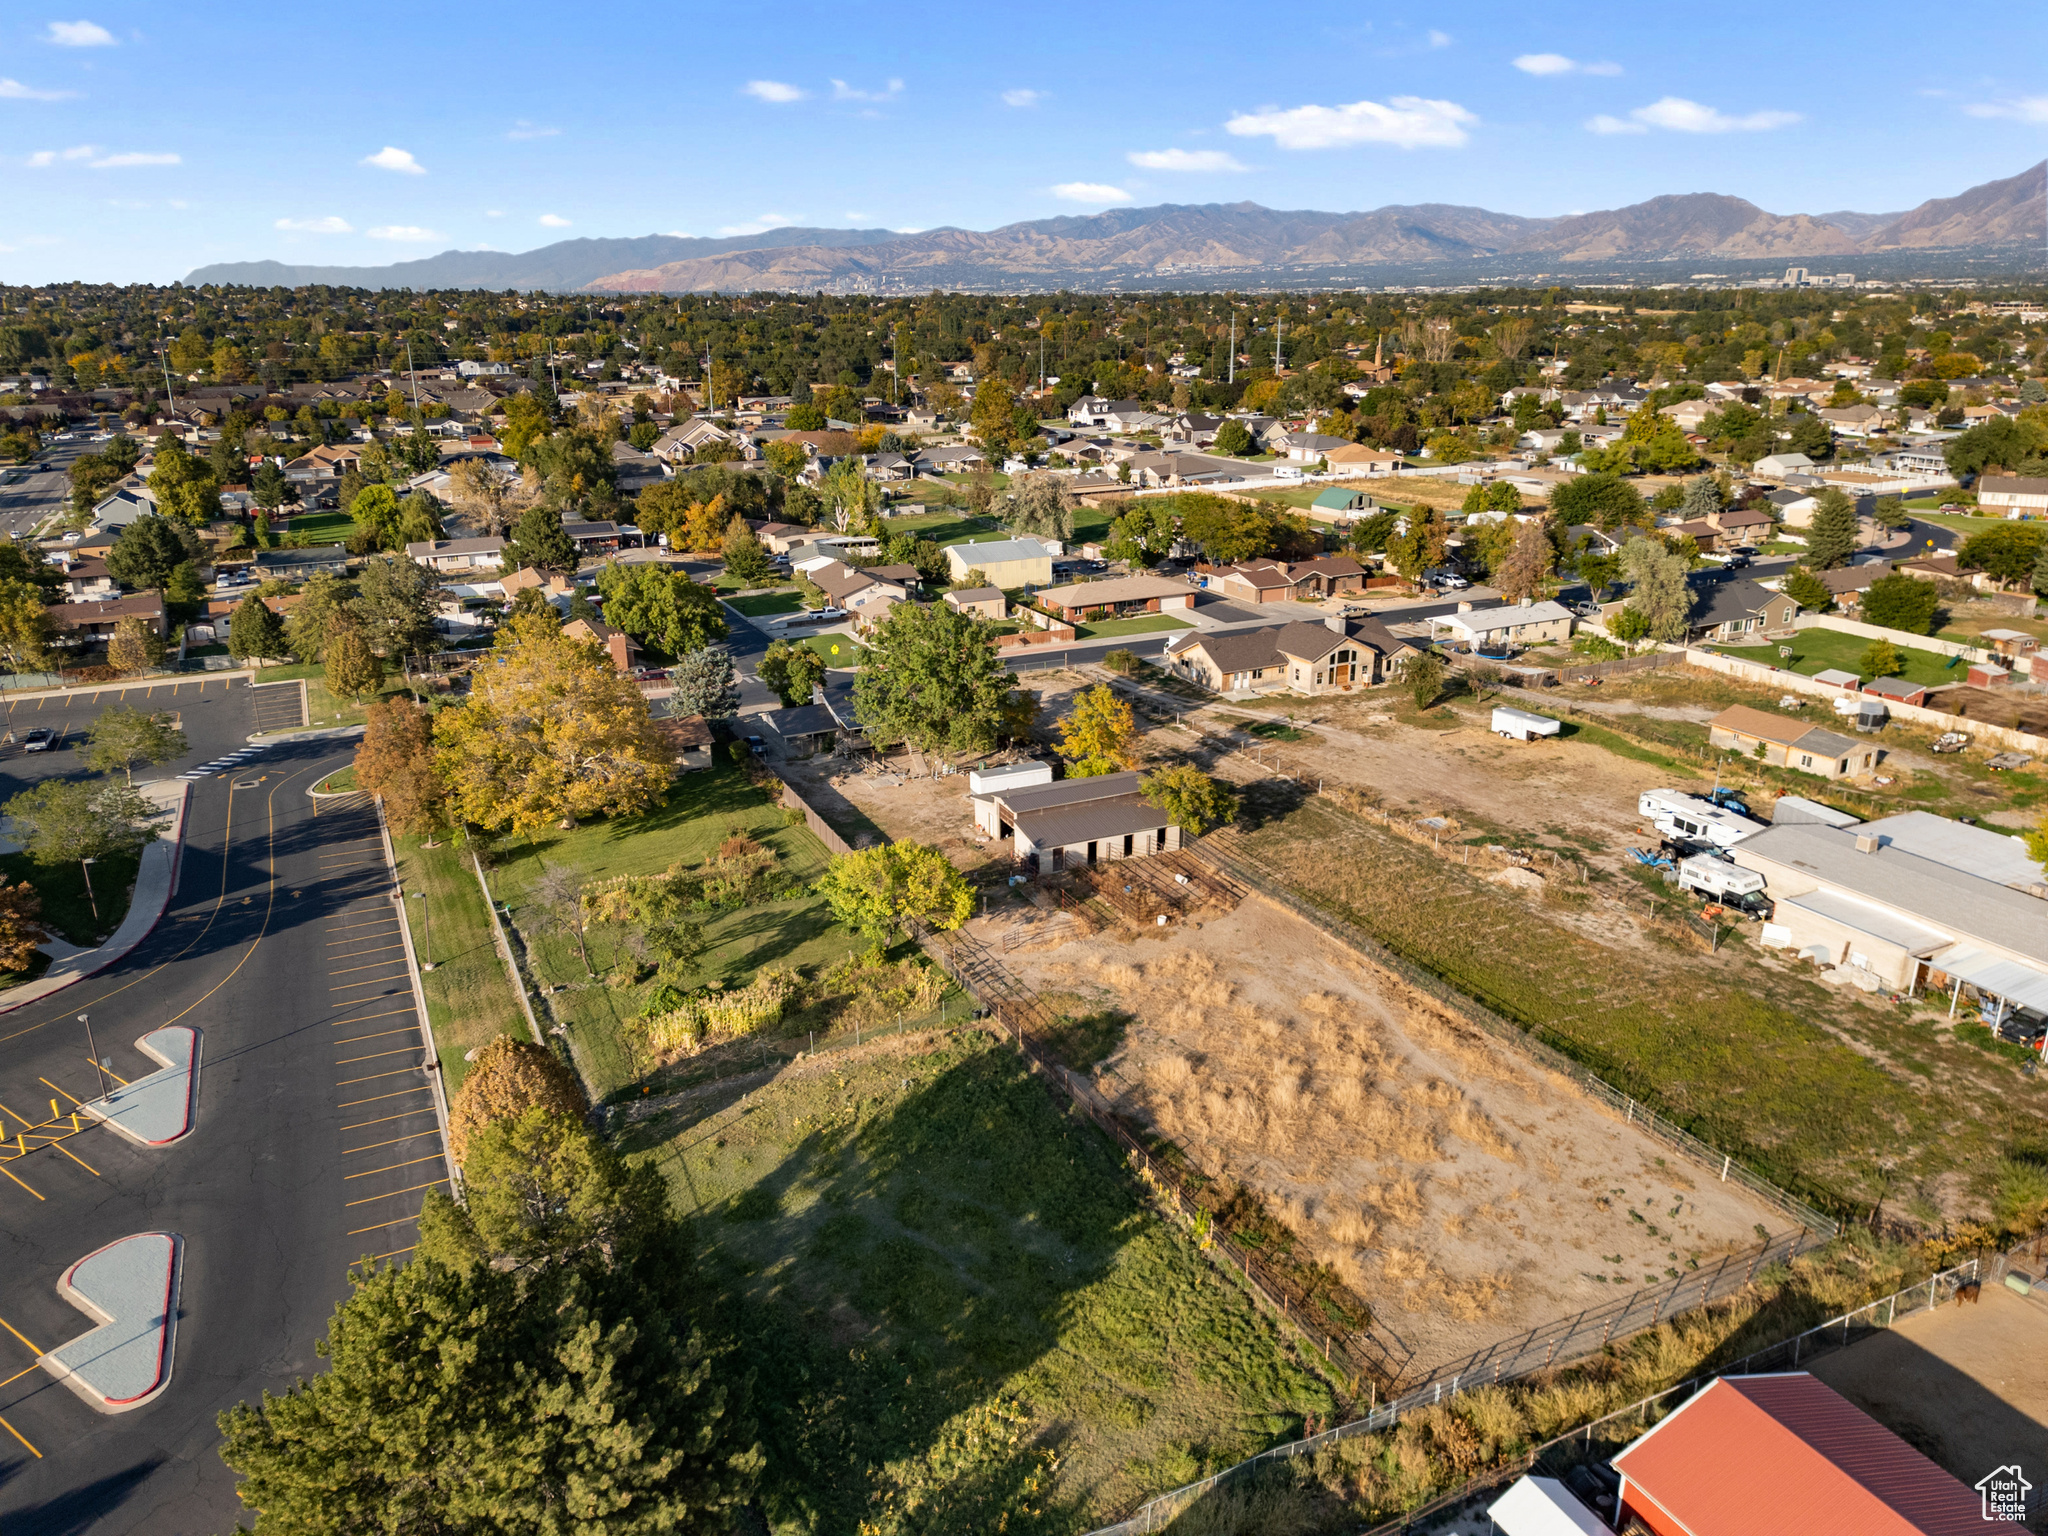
[{"x": 137, "y": 143}]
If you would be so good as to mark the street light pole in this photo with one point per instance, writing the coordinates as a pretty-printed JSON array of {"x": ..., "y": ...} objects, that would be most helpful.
[
  {"x": 86, "y": 1020},
  {"x": 426, "y": 933},
  {"x": 86, "y": 865}
]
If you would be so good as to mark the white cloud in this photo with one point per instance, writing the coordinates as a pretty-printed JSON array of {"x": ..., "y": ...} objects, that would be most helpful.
[
  {"x": 1409, "y": 122},
  {"x": 134, "y": 158},
  {"x": 679, "y": 234},
  {"x": 389, "y": 159},
  {"x": 1558, "y": 64},
  {"x": 1678, "y": 115},
  {"x": 1184, "y": 160},
  {"x": 14, "y": 90},
  {"x": 858, "y": 217},
  {"x": 407, "y": 234},
  {"x": 1439, "y": 39},
  {"x": 772, "y": 90},
  {"x": 1090, "y": 192},
  {"x": 554, "y": 221},
  {"x": 494, "y": 213},
  {"x": 841, "y": 91},
  {"x": 2027, "y": 109},
  {"x": 525, "y": 130},
  {"x": 43, "y": 158},
  {"x": 759, "y": 225},
  {"x": 327, "y": 226},
  {"x": 1022, "y": 98},
  {"x": 79, "y": 34}
]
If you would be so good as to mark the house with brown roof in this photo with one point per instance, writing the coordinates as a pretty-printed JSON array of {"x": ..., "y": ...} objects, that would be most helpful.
[
  {"x": 1790, "y": 743},
  {"x": 2013, "y": 495},
  {"x": 77, "y": 622},
  {"x": 688, "y": 739},
  {"x": 623, "y": 649},
  {"x": 979, "y": 602},
  {"x": 1277, "y": 581},
  {"x": 1117, "y": 597},
  {"x": 458, "y": 555},
  {"x": 851, "y": 587},
  {"x": 1334, "y": 656}
]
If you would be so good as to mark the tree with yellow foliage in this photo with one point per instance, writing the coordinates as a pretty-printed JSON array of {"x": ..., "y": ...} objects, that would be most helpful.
[
  {"x": 551, "y": 731},
  {"x": 508, "y": 1078},
  {"x": 1100, "y": 736}
]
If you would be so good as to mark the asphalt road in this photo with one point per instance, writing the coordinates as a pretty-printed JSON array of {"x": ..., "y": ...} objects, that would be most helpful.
[
  {"x": 313, "y": 1145},
  {"x": 215, "y": 714},
  {"x": 37, "y": 490}
]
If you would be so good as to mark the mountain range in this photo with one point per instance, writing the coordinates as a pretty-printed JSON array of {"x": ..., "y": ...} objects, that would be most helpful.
[{"x": 1202, "y": 245}]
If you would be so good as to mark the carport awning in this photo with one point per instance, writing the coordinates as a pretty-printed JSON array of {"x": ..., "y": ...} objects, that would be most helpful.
[{"x": 2009, "y": 979}]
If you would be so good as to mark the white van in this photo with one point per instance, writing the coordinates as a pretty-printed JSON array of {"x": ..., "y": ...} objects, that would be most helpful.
[{"x": 1679, "y": 815}]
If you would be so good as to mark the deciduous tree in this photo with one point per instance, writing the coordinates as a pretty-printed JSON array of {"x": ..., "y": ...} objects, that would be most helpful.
[
  {"x": 551, "y": 730},
  {"x": 1881, "y": 658},
  {"x": 1898, "y": 601},
  {"x": 395, "y": 759},
  {"x": 1189, "y": 798},
  {"x": 1527, "y": 568},
  {"x": 488, "y": 497},
  {"x": 932, "y": 680},
  {"x": 352, "y": 669},
  {"x": 61, "y": 821},
  {"x": 1810, "y": 592},
  {"x": 22, "y": 929},
  {"x": 1100, "y": 734},
  {"x": 2009, "y": 555},
  {"x": 1041, "y": 504},
  {"x": 875, "y": 889},
  {"x": 509, "y": 1079},
  {"x": 134, "y": 646},
  {"x": 745, "y": 559},
  {"x": 1658, "y": 589},
  {"x": 121, "y": 737},
  {"x": 26, "y": 627},
  {"x": 1423, "y": 676},
  {"x": 396, "y": 604},
  {"x": 792, "y": 669},
  {"x": 662, "y": 607}
]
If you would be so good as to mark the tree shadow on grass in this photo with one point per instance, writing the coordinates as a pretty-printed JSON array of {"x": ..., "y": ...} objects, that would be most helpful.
[{"x": 1268, "y": 801}]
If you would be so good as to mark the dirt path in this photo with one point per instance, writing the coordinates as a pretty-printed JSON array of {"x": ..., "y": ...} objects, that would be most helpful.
[{"x": 1466, "y": 1193}]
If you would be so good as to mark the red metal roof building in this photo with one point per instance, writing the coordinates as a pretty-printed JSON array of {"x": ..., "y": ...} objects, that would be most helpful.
[{"x": 1757, "y": 1455}]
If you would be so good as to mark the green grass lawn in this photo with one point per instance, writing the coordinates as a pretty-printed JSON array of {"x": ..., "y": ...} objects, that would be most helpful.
[
  {"x": 324, "y": 526},
  {"x": 838, "y": 650},
  {"x": 1821, "y": 650},
  {"x": 1140, "y": 624},
  {"x": 702, "y": 810},
  {"x": 766, "y": 604},
  {"x": 67, "y": 908},
  {"x": 1813, "y": 1089},
  {"x": 942, "y": 527},
  {"x": 1961, "y": 522},
  {"x": 339, "y": 782},
  {"x": 323, "y": 709},
  {"x": 470, "y": 996},
  {"x": 958, "y": 1315},
  {"x": 1270, "y": 730}
]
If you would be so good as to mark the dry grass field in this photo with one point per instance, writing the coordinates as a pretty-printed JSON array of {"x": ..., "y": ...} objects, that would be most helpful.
[{"x": 1463, "y": 1191}]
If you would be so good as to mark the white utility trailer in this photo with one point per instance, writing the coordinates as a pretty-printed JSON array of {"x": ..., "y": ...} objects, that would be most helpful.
[{"x": 1520, "y": 725}]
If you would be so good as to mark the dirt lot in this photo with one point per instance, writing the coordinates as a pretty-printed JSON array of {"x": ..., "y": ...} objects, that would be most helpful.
[
  {"x": 1964, "y": 1385},
  {"x": 1464, "y": 1191}
]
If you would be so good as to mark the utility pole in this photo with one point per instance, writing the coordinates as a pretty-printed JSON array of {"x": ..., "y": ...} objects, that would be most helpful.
[
  {"x": 164, "y": 357},
  {"x": 1279, "y": 337},
  {"x": 97, "y": 1066},
  {"x": 1233, "y": 345}
]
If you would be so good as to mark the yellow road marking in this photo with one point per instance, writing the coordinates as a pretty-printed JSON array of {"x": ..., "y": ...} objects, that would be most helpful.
[
  {"x": 48, "y": 1084},
  {"x": 88, "y": 1167},
  {"x": 22, "y": 1438},
  {"x": 18, "y": 1334},
  {"x": 31, "y": 1191},
  {"x": 394, "y": 1141},
  {"x": 382, "y": 1034},
  {"x": 346, "y": 926},
  {"x": 388, "y": 1194},
  {"x": 352, "y": 1103},
  {"x": 350, "y": 970},
  {"x": 17, "y": 1375},
  {"x": 117, "y": 1077},
  {"x": 337, "y": 943},
  {"x": 396, "y": 1221},
  {"x": 368, "y": 1018},
  {"x": 348, "y": 1081},
  {"x": 394, "y": 1253},
  {"x": 349, "y": 1061},
  {"x": 3, "y": 1107},
  {"x": 411, "y": 1162},
  {"x": 406, "y": 1114}
]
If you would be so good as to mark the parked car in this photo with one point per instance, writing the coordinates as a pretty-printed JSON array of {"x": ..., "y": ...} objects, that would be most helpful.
[{"x": 37, "y": 740}]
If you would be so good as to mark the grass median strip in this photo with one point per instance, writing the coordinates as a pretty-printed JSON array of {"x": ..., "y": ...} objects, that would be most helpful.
[{"x": 469, "y": 995}]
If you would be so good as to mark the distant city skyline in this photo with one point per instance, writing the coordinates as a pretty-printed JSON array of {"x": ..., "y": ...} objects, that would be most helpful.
[{"x": 135, "y": 146}]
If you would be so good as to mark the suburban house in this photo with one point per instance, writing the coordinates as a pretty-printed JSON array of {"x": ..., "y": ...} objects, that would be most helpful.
[
  {"x": 1776, "y": 466},
  {"x": 1920, "y": 902},
  {"x": 2012, "y": 496},
  {"x": 1743, "y": 524},
  {"x": 804, "y": 729},
  {"x": 852, "y": 587},
  {"x": 1335, "y": 655},
  {"x": 1280, "y": 581},
  {"x": 1493, "y": 629},
  {"x": 1005, "y": 563},
  {"x": 298, "y": 564},
  {"x": 551, "y": 585},
  {"x": 1784, "y": 1452},
  {"x": 1076, "y": 823},
  {"x": 98, "y": 620},
  {"x": 1790, "y": 743},
  {"x": 979, "y": 602},
  {"x": 1343, "y": 503},
  {"x": 593, "y": 538},
  {"x": 1726, "y": 610},
  {"x": 1357, "y": 459},
  {"x": 623, "y": 649},
  {"x": 1311, "y": 447},
  {"x": 86, "y": 577},
  {"x": 1855, "y": 420},
  {"x": 1110, "y": 415},
  {"x": 681, "y": 441},
  {"x": 330, "y": 461},
  {"x": 778, "y": 538},
  {"x": 459, "y": 555},
  {"x": 1117, "y": 597}
]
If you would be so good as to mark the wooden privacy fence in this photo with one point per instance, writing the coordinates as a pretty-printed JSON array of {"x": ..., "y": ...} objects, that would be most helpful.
[{"x": 791, "y": 800}]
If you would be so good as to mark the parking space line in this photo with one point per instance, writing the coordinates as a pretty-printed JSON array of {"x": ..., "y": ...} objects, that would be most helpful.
[
  {"x": 394, "y": 1141},
  {"x": 382, "y": 1034},
  {"x": 405, "y": 1114},
  {"x": 385, "y": 949},
  {"x": 412, "y": 1162},
  {"x": 374, "y": 981},
  {"x": 337, "y": 943},
  {"x": 350, "y": 1081},
  {"x": 388, "y": 1194},
  {"x": 88, "y": 1167},
  {"x": 394, "y": 1253},
  {"x": 369, "y": 1018},
  {"x": 17, "y": 1376},
  {"x": 352, "y": 1103},
  {"x": 18, "y": 1334},
  {"x": 346, "y": 926},
  {"x": 396, "y": 1221},
  {"x": 31, "y": 1191},
  {"x": 22, "y": 1438},
  {"x": 349, "y": 1061}
]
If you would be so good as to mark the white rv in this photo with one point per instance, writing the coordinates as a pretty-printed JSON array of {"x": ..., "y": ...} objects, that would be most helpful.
[
  {"x": 1679, "y": 815},
  {"x": 1718, "y": 878}
]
